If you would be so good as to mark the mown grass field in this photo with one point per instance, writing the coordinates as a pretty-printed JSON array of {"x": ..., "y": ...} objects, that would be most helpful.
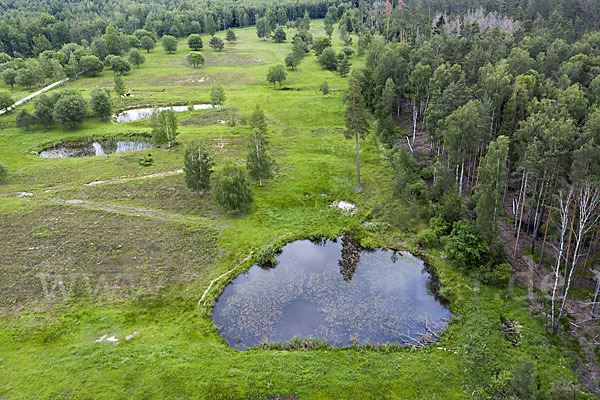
[{"x": 139, "y": 253}]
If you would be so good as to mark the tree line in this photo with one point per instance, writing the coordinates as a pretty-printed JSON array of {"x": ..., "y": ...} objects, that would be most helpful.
[{"x": 503, "y": 123}]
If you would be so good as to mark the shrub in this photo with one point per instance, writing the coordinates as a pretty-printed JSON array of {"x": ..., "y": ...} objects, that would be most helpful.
[
  {"x": 265, "y": 257},
  {"x": 500, "y": 275},
  {"x": 3, "y": 171},
  {"x": 371, "y": 226},
  {"x": 427, "y": 239},
  {"x": 466, "y": 249},
  {"x": 328, "y": 59},
  {"x": 146, "y": 160},
  {"x": 439, "y": 226}
]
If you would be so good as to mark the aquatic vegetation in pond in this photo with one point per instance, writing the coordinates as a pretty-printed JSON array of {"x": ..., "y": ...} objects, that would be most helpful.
[
  {"x": 97, "y": 148},
  {"x": 333, "y": 291}
]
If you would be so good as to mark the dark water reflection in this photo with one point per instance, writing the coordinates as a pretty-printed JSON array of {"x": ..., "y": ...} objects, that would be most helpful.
[{"x": 333, "y": 291}]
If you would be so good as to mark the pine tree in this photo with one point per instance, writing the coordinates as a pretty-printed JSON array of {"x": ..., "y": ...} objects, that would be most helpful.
[
  {"x": 344, "y": 67},
  {"x": 356, "y": 119},
  {"x": 261, "y": 28},
  {"x": 216, "y": 43},
  {"x": 198, "y": 168},
  {"x": 230, "y": 36},
  {"x": 210, "y": 26},
  {"x": 217, "y": 96}
]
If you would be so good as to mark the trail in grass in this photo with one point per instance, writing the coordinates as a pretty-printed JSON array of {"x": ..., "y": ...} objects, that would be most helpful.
[
  {"x": 131, "y": 210},
  {"x": 134, "y": 178}
]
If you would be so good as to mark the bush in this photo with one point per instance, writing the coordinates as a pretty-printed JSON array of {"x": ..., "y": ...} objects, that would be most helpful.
[
  {"x": 500, "y": 275},
  {"x": 265, "y": 257},
  {"x": 439, "y": 226},
  {"x": 348, "y": 51},
  {"x": 3, "y": 171},
  {"x": 466, "y": 249},
  {"x": 371, "y": 226},
  {"x": 146, "y": 160},
  {"x": 328, "y": 59},
  {"x": 427, "y": 239}
]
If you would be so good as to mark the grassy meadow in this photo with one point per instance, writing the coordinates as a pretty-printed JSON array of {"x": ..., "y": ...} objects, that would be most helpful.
[{"x": 134, "y": 256}]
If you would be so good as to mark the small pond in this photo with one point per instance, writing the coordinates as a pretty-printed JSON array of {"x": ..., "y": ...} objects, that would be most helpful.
[
  {"x": 99, "y": 148},
  {"x": 142, "y": 113},
  {"x": 333, "y": 291}
]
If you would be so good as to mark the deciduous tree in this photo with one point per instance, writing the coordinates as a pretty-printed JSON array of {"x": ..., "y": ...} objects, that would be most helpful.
[
  {"x": 277, "y": 74},
  {"x": 231, "y": 188},
  {"x": 198, "y": 168}
]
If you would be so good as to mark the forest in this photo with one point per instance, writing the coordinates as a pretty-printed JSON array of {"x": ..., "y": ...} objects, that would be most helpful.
[{"x": 464, "y": 131}]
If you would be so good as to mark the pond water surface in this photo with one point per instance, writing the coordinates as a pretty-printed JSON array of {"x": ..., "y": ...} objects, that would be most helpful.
[
  {"x": 100, "y": 148},
  {"x": 332, "y": 291},
  {"x": 142, "y": 113}
]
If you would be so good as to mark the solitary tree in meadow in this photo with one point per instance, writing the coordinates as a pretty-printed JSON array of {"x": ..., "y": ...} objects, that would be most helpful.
[
  {"x": 279, "y": 35},
  {"x": 119, "y": 86},
  {"x": 9, "y": 76},
  {"x": 169, "y": 43},
  {"x": 277, "y": 74},
  {"x": 3, "y": 171},
  {"x": 25, "y": 120},
  {"x": 100, "y": 103},
  {"x": 344, "y": 67},
  {"x": 325, "y": 88},
  {"x": 147, "y": 43},
  {"x": 120, "y": 66},
  {"x": 136, "y": 58},
  {"x": 356, "y": 119},
  {"x": 195, "y": 59},
  {"x": 230, "y": 35},
  {"x": 216, "y": 43},
  {"x": 195, "y": 42},
  {"x": 43, "y": 110},
  {"x": 70, "y": 110},
  {"x": 217, "y": 96},
  {"x": 262, "y": 30}
]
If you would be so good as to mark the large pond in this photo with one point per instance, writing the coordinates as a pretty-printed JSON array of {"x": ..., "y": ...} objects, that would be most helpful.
[
  {"x": 142, "y": 113},
  {"x": 333, "y": 291},
  {"x": 99, "y": 148}
]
